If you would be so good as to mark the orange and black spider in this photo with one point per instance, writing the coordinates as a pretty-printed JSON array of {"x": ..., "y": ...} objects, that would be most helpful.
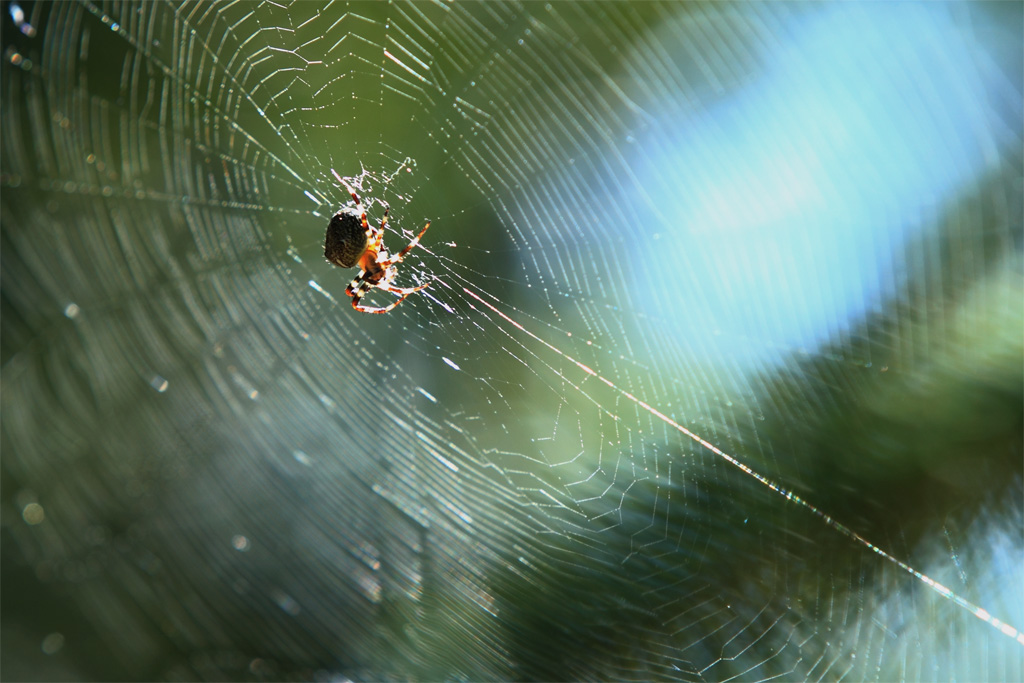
[{"x": 352, "y": 241}]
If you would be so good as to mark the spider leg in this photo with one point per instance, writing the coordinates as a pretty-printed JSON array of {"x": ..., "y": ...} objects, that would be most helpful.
[
  {"x": 415, "y": 241},
  {"x": 370, "y": 309},
  {"x": 400, "y": 255},
  {"x": 403, "y": 291},
  {"x": 377, "y": 236},
  {"x": 355, "y": 288},
  {"x": 359, "y": 205}
]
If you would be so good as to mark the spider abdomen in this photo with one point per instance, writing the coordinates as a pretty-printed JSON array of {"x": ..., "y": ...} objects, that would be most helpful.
[{"x": 346, "y": 238}]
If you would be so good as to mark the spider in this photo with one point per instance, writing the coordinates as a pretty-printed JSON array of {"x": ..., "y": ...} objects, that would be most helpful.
[{"x": 352, "y": 241}]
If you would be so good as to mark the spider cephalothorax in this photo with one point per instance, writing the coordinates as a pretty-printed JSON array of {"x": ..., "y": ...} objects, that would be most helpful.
[{"x": 352, "y": 241}]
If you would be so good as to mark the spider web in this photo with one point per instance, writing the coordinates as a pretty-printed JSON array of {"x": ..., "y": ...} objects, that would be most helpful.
[{"x": 790, "y": 231}]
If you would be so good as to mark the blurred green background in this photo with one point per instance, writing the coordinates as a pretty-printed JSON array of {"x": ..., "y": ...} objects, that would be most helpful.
[{"x": 795, "y": 229}]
